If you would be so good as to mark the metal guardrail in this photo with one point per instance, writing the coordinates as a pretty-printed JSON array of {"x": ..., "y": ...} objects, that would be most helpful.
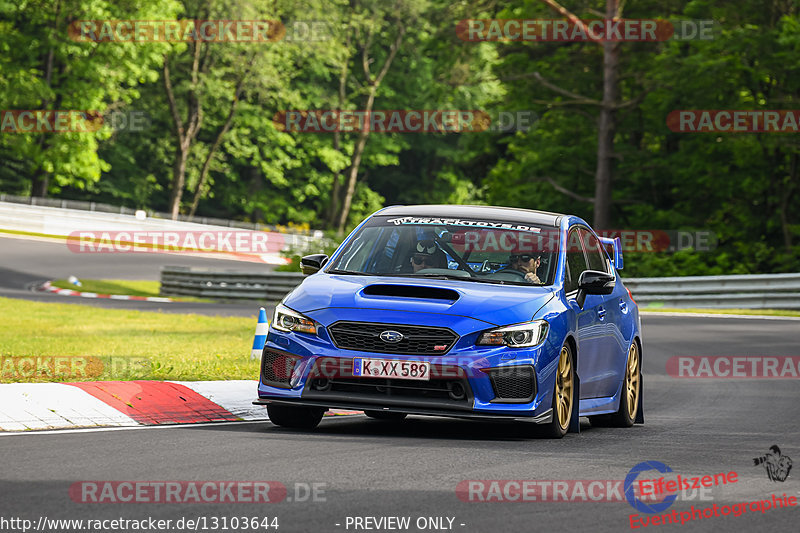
[
  {"x": 228, "y": 284},
  {"x": 757, "y": 291},
  {"x": 762, "y": 291}
]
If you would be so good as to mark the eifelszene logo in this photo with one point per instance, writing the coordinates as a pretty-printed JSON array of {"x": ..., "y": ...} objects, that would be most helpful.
[
  {"x": 630, "y": 486},
  {"x": 777, "y": 466}
]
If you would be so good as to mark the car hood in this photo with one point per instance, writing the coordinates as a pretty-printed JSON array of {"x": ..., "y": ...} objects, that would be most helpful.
[{"x": 489, "y": 303}]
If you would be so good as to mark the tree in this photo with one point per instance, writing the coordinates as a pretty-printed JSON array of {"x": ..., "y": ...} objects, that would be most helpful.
[
  {"x": 372, "y": 83},
  {"x": 372, "y": 33},
  {"x": 46, "y": 66},
  {"x": 606, "y": 124},
  {"x": 206, "y": 69}
]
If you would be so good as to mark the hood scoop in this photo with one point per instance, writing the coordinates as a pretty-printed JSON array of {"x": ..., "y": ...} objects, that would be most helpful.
[{"x": 411, "y": 291}]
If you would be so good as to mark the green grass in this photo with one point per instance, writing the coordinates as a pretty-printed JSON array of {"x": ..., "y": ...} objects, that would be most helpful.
[
  {"x": 122, "y": 286},
  {"x": 120, "y": 344},
  {"x": 762, "y": 312}
]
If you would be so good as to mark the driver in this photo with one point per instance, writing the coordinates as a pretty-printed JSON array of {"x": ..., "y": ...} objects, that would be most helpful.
[
  {"x": 427, "y": 255},
  {"x": 527, "y": 264}
]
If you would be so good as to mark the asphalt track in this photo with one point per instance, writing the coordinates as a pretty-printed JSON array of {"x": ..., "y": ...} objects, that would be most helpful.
[{"x": 412, "y": 468}]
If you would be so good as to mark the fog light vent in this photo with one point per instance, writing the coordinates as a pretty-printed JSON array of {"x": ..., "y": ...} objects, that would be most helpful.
[
  {"x": 277, "y": 368},
  {"x": 513, "y": 384}
]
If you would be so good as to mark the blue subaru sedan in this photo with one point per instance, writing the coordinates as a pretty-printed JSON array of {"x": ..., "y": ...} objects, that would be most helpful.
[{"x": 461, "y": 311}]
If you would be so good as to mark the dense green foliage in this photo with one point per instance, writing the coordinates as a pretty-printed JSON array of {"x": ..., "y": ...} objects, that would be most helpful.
[{"x": 744, "y": 187}]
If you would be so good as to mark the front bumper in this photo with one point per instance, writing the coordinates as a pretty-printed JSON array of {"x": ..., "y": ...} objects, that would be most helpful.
[{"x": 472, "y": 367}]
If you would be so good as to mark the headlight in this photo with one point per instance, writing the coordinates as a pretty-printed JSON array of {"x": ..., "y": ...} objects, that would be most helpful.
[
  {"x": 518, "y": 336},
  {"x": 287, "y": 320}
]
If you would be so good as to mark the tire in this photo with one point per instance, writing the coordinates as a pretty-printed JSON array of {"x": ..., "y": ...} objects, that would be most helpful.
[
  {"x": 385, "y": 415},
  {"x": 563, "y": 395},
  {"x": 629, "y": 397},
  {"x": 296, "y": 417}
]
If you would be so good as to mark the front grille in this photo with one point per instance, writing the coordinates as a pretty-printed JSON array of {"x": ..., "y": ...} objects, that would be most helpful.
[
  {"x": 437, "y": 389},
  {"x": 277, "y": 368},
  {"x": 417, "y": 340},
  {"x": 513, "y": 384}
]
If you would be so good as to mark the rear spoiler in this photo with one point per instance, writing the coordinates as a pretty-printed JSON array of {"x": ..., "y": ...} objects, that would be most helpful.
[{"x": 614, "y": 250}]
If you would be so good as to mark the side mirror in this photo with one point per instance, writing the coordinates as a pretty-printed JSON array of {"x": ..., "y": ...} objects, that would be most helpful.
[
  {"x": 312, "y": 263},
  {"x": 594, "y": 282}
]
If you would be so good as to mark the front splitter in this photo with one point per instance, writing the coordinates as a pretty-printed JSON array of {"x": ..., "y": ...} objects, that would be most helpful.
[{"x": 544, "y": 418}]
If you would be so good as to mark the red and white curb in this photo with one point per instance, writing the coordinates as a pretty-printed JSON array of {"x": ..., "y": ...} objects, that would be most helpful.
[
  {"x": 32, "y": 406},
  {"x": 48, "y": 287}
]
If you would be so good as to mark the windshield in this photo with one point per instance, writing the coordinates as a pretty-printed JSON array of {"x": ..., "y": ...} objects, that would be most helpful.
[{"x": 473, "y": 250}]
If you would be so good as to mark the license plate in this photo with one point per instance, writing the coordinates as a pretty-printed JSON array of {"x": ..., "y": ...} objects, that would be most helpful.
[{"x": 388, "y": 368}]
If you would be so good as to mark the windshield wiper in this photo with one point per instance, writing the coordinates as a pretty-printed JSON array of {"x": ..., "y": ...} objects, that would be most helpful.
[
  {"x": 459, "y": 278},
  {"x": 348, "y": 272}
]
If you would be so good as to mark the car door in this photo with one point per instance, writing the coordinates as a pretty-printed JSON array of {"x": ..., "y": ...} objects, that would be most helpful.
[
  {"x": 591, "y": 324},
  {"x": 611, "y": 355}
]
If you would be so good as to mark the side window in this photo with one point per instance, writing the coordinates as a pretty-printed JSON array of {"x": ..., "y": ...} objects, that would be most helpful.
[
  {"x": 359, "y": 255},
  {"x": 576, "y": 262},
  {"x": 595, "y": 254}
]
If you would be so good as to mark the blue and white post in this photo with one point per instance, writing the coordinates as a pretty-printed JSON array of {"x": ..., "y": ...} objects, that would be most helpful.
[{"x": 261, "y": 335}]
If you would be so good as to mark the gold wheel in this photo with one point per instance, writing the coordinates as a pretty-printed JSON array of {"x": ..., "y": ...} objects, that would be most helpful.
[
  {"x": 564, "y": 388},
  {"x": 632, "y": 380}
]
